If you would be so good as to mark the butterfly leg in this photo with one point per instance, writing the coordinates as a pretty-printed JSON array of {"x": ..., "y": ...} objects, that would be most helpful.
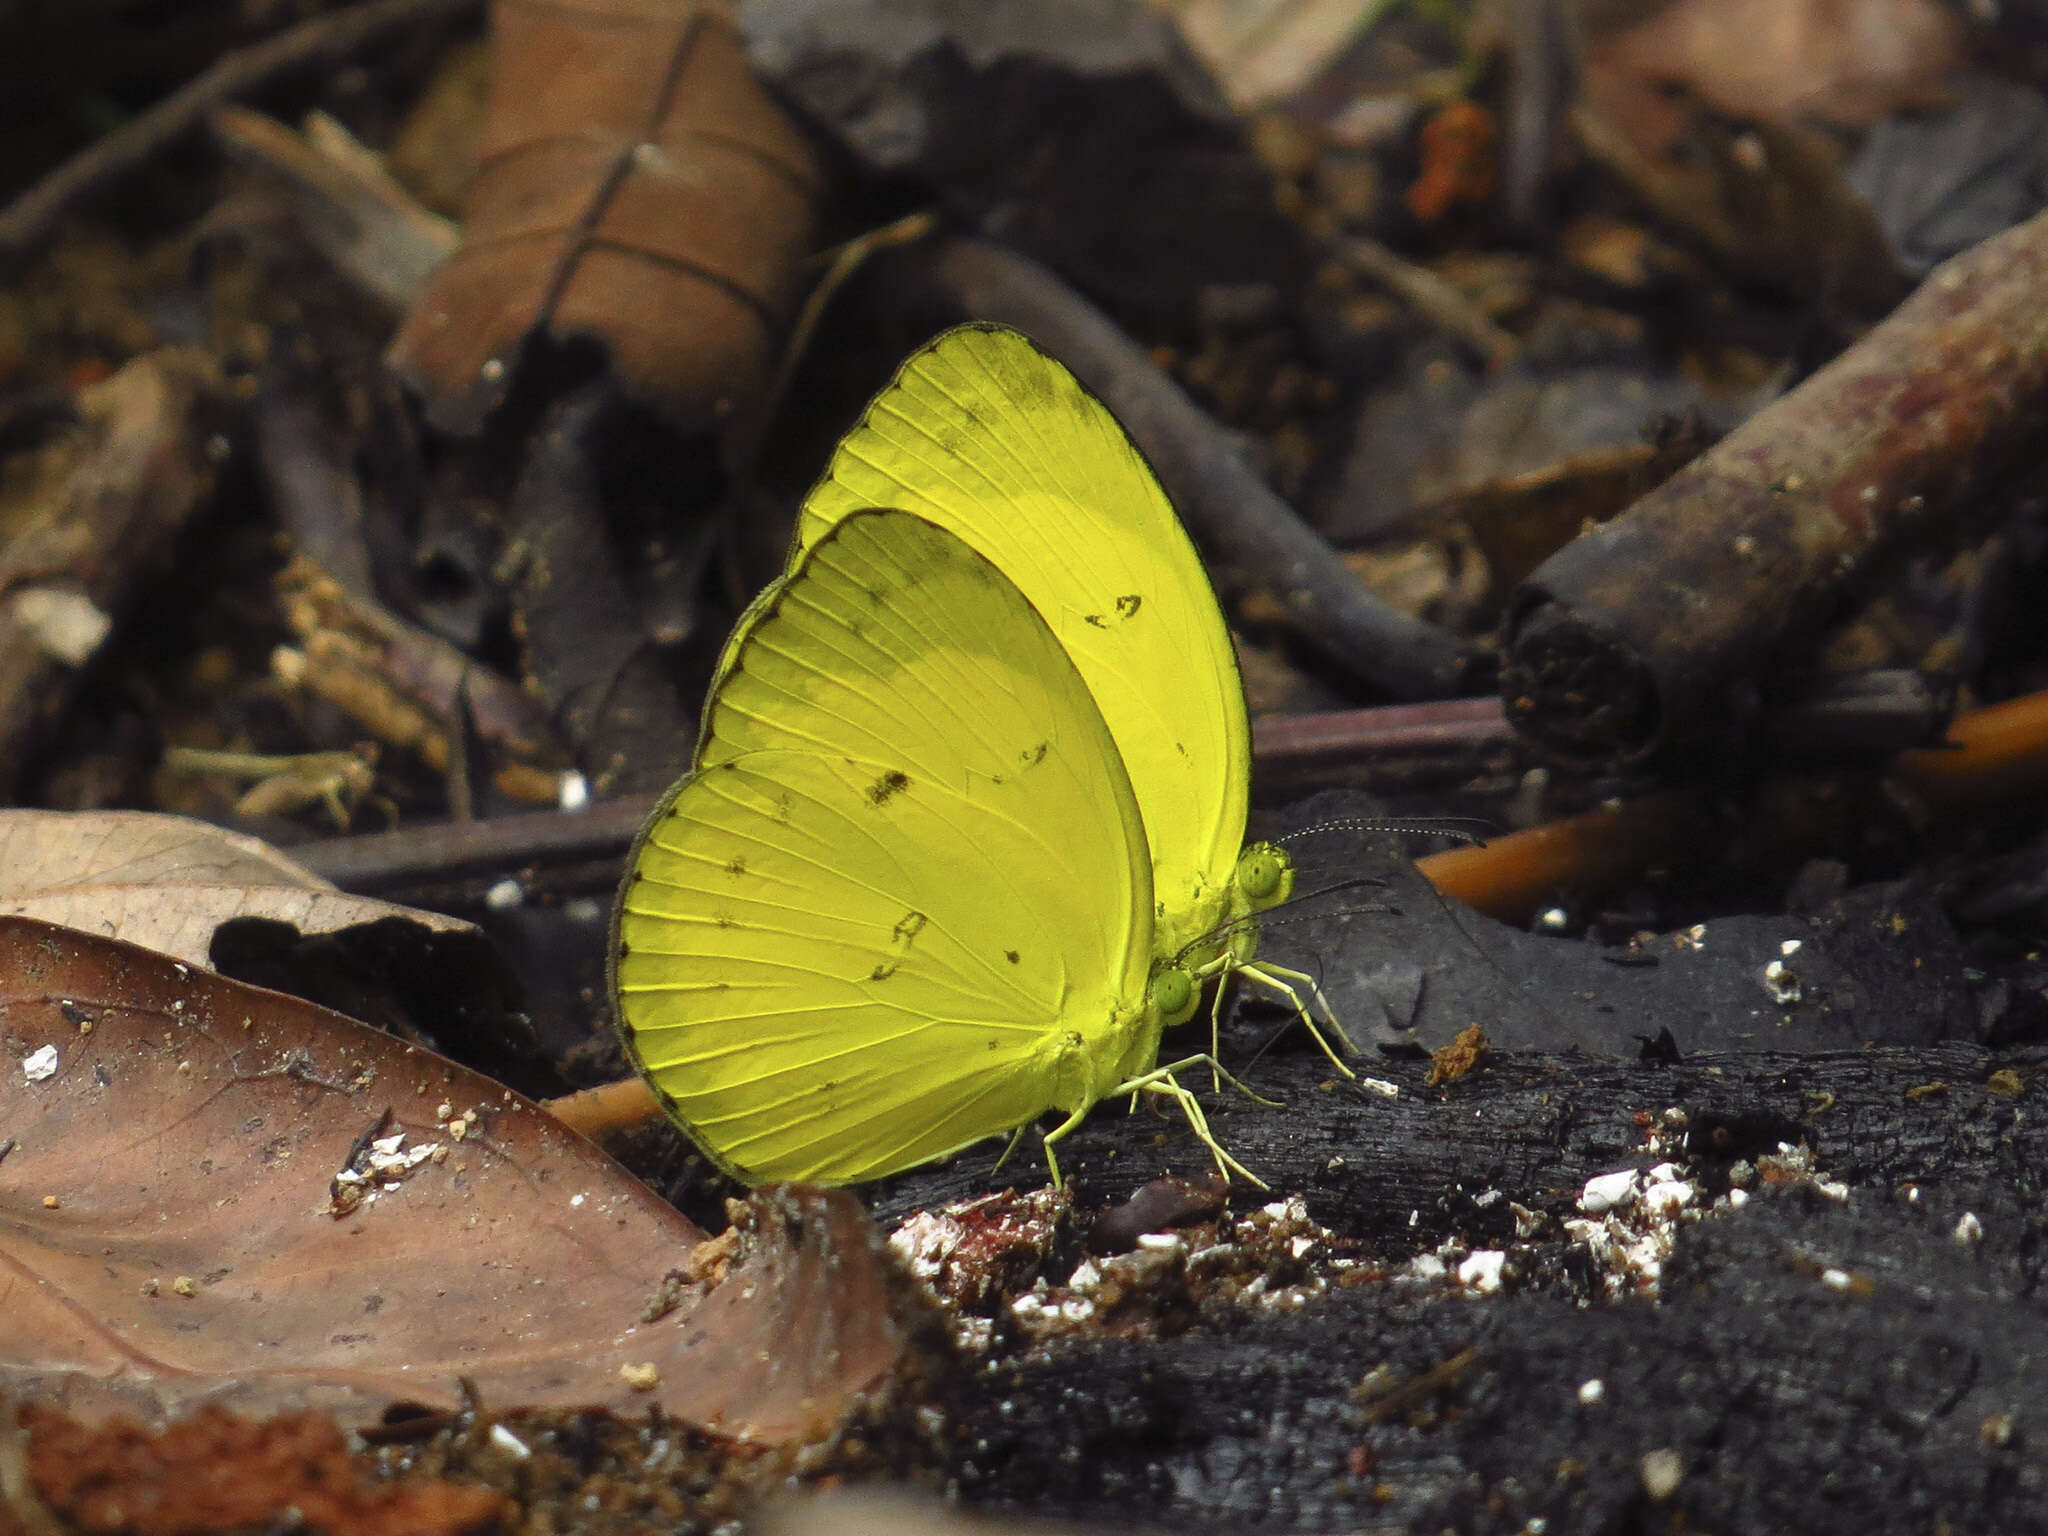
[
  {"x": 1057, "y": 1134},
  {"x": 1216, "y": 1032},
  {"x": 1164, "y": 1085},
  {"x": 1011, "y": 1146},
  {"x": 1282, "y": 982},
  {"x": 1161, "y": 1081}
]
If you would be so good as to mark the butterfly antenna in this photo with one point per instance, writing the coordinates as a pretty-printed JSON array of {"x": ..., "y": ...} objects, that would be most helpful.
[{"x": 1470, "y": 830}]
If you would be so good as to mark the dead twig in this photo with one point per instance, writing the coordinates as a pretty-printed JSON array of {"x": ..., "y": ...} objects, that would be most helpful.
[
  {"x": 1671, "y": 626},
  {"x": 27, "y": 222},
  {"x": 109, "y": 498},
  {"x": 402, "y": 684},
  {"x": 1230, "y": 511},
  {"x": 1431, "y": 296}
]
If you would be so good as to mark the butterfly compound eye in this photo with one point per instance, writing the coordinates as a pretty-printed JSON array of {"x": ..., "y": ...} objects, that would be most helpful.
[
  {"x": 1264, "y": 874},
  {"x": 1173, "y": 990}
]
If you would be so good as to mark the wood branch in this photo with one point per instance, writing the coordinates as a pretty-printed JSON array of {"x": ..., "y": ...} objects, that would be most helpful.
[
  {"x": 332, "y": 36},
  {"x": 1400, "y": 1173},
  {"x": 1834, "y": 1369},
  {"x": 1664, "y": 628}
]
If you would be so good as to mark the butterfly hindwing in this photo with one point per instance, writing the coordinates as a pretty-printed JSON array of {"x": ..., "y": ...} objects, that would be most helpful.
[{"x": 922, "y": 915}]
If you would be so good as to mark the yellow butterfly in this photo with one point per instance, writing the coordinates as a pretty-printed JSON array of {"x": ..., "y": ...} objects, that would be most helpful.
[
  {"x": 982, "y": 443},
  {"x": 924, "y": 916}
]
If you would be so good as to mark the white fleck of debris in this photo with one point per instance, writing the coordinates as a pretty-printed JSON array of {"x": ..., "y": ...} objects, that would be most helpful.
[
  {"x": 1969, "y": 1230},
  {"x": 1661, "y": 1472},
  {"x": 1527, "y": 1222},
  {"x": 1481, "y": 1271},
  {"x": 1553, "y": 920},
  {"x": 1415, "y": 1218},
  {"x": 576, "y": 1199},
  {"x": 185, "y": 1285},
  {"x": 1837, "y": 1279},
  {"x": 493, "y": 370},
  {"x": 388, "y": 1144},
  {"x": 1592, "y": 1392},
  {"x": 1737, "y": 1199},
  {"x": 1086, "y": 1276},
  {"x": 508, "y": 1442},
  {"x": 1300, "y": 1247},
  {"x": 1380, "y": 1086},
  {"x": 68, "y": 625},
  {"x": 1426, "y": 1268},
  {"x": 40, "y": 1066},
  {"x": 573, "y": 794},
  {"x": 1608, "y": 1191},
  {"x": 583, "y": 909},
  {"x": 644, "y": 1377},
  {"x": 1277, "y": 1210},
  {"x": 1791, "y": 947},
  {"x": 1165, "y": 1242},
  {"x": 923, "y": 1242},
  {"x": 443, "y": 1111},
  {"x": 1666, "y": 1197},
  {"x": 1781, "y": 983},
  {"x": 505, "y": 895}
]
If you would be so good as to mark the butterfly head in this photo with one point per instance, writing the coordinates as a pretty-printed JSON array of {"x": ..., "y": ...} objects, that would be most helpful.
[
  {"x": 1265, "y": 876},
  {"x": 1175, "y": 992}
]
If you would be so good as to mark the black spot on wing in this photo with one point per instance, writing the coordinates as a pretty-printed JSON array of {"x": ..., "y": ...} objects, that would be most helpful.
[
  {"x": 1095, "y": 619},
  {"x": 1127, "y": 606},
  {"x": 1011, "y": 955},
  {"x": 736, "y": 865},
  {"x": 909, "y": 926},
  {"x": 1031, "y": 757},
  {"x": 888, "y": 786}
]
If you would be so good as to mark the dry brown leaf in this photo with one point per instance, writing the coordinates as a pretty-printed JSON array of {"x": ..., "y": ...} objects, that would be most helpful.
[
  {"x": 1845, "y": 61},
  {"x": 167, "y": 882},
  {"x": 168, "y": 1226},
  {"x": 635, "y": 184}
]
